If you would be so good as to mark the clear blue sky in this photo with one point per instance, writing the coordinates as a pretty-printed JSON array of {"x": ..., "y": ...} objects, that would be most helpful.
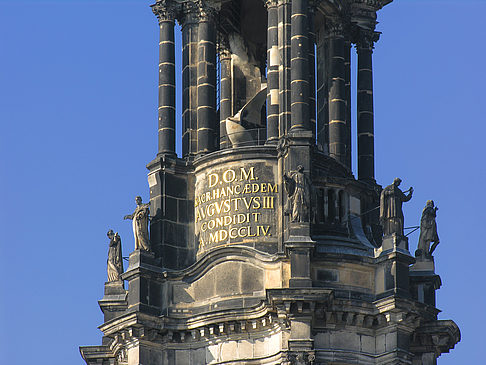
[{"x": 78, "y": 95}]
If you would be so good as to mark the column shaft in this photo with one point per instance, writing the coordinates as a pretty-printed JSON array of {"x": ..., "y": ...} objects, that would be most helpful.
[
  {"x": 189, "y": 81},
  {"x": 312, "y": 71},
  {"x": 206, "y": 85},
  {"x": 347, "y": 77},
  {"x": 299, "y": 66},
  {"x": 272, "y": 73},
  {"x": 366, "y": 155},
  {"x": 284, "y": 12},
  {"x": 337, "y": 96},
  {"x": 167, "y": 92},
  {"x": 225, "y": 95},
  {"x": 322, "y": 91}
]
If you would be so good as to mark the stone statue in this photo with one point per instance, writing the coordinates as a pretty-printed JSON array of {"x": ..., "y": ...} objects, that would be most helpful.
[
  {"x": 140, "y": 219},
  {"x": 239, "y": 127},
  {"x": 428, "y": 231},
  {"x": 391, "y": 214},
  {"x": 298, "y": 192},
  {"x": 115, "y": 260}
]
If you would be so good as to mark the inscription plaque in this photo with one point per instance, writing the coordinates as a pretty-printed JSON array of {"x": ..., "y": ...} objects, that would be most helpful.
[{"x": 236, "y": 204}]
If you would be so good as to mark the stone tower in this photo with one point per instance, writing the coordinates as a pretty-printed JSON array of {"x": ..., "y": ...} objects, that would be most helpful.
[{"x": 264, "y": 248}]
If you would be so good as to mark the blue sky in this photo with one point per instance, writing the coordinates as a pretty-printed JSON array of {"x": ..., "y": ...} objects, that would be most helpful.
[{"x": 78, "y": 101}]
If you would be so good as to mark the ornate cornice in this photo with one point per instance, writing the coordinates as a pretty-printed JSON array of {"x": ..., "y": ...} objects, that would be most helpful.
[
  {"x": 435, "y": 337},
  {"x": 376, "y": 4}
]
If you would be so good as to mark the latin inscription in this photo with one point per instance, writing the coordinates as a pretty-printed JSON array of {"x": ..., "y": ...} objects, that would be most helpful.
[{"x": 233, "y": 205}]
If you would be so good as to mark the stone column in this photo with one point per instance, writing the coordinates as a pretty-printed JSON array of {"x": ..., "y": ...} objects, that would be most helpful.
[
  {"x": 225, "y": 104},
  {"x": 322, "y": 91},
  {"x": 299, "y": 66},
  {"x": 366, "y": 154},
  {"x": 347, "y": 78},
  {"x": 284, "y": 66},
  {"x": 312, "y": 69},
  {"x": 189, "y": 25},
  {"x": 273, "y": 62},
  {"x": 167, "y": 92},
  {"x": 206, "y": 81},
  {"x": 337, "y": 93}
]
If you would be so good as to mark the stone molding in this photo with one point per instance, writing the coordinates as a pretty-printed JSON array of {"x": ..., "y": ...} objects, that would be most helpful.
[
  {"x": 376, "y": 4},
  {"x": 301, "y": 357},
  {"x": 436, "y": 337}
]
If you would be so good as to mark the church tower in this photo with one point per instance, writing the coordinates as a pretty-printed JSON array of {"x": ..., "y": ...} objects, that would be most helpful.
[{"x": 259, "y": 245}]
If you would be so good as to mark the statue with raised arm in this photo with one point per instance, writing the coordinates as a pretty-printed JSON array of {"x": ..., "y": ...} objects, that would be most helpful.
[
  {"x": 140, "y": 219},
  {"x": 298, "y": 192},
  {"x": 391, "y": 214},
  {"x": 428, "y": 231},
  {"x": 115, "y": 260}
]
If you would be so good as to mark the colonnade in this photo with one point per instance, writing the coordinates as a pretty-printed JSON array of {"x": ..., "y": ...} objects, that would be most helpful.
[{"x": 292, "y": 102}]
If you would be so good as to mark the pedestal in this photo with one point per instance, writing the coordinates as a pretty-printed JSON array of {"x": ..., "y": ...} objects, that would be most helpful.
[
  {"x": 114, "y": 302},
  {"x": 424, "y": 281}
]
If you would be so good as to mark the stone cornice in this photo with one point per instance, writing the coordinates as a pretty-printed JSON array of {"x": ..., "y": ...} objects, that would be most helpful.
[
  {"x": 223, "y": 254},
  {"x": 435, "y": 337},
  {"x": 135, "y": 328},
  {"x": 377, "y": 4}
]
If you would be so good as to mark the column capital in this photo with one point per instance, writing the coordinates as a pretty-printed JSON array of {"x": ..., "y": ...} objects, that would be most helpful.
[
  {"x": 270, "y": 3},
  {"x": 222, "y": 47},
  {"x": 224, "y": 53},
  {"x": 189, "y": 13},
  {"x": 205, "y": 11},
  {"x": 164, "y": 10},
  {"x": 334, "y": 27},
  {"x": 366, "y": 39}
]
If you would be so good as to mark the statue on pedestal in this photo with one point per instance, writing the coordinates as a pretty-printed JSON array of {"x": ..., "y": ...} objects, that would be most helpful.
[
  {"x": 428, "y": 231},
  {"x": 391, "y": 214},
  {"x": 140, "y": 219},
  {"x": 298, "y": 191},
  {"x": 115, "y": 260}
]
